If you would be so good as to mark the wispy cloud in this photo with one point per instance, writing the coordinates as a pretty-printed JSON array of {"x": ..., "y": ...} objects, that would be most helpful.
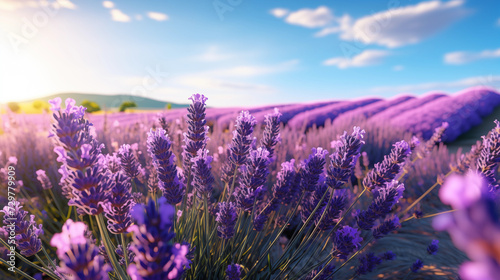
[
  {"x": 214, "y": 54},
  {"x": 12, "y": 5},
  {"x": 498, "y": 22},
  {"x": 310, "y": 18},
  {"x": 108, "y": 4},
  {"x": 365, "y": 58},
  {"x": 119, "y": 16},
  {"x": 491, "y": 81},
  {"x": 279, "y": 12},
  {"x": 392, "y": 28},
  {"x": 463, "y": 57},
  {"x": 157, "y": 16},
  {"x": 254, "y": 70},
  {"x": 398, "y": 68}
]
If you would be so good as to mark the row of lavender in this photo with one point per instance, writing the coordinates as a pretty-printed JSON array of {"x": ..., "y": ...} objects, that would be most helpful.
[
  {"x": 229, "y": 179},
  {"x": 419, "y": 115}
]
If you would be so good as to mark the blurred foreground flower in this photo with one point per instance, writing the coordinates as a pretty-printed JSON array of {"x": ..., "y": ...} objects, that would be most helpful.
[{"x": 474, "y": 227}]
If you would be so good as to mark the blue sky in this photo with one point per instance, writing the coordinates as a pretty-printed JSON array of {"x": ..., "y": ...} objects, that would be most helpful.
[{"x": 244, "y": 53}]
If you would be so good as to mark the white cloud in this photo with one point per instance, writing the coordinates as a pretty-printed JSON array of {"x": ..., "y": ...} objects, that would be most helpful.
[
  {"x": 138, "y": 17},
  {"x": 342, "y": 23},
  {"x": 214, "y": 54},
  {"x": 398, "y": 26},
  {"x": 320, "y": 17},
  {"x": 65, "y": 4},
  {"x": 398, "y": 68},
  {"x": 119, "y": 16},
  {"x": 108, "y": 4},
  {"x": 157, "y": 16},
  {"x": 498, "y": 22},
  {"x": 365, "y": 58},
  {"x": 279, "y": 12},
  {"x": 466, "y": 57},
  {"x": 12, "y": 5},
  {"x": 491, "y": 81}
]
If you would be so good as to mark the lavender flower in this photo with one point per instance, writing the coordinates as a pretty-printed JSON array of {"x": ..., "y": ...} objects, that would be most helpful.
[
  {"x": 26, "y": 232},
  {"x": 388, "y": 256},
  {"x": 119, "y": 205},
  {"x": 242, "y": 138},
  {"x": 79, "y": 257},
  {"x": 312, "y": 168},
  {"x": 82, "y": 180},
  {"x": 345, "y": 241},
  {"x": 474, "y": 226},
  {"x": 271, "y": 134},
  {"x": 343, "y": 160},
  {"x": 417, "y": 265},
  {"x": 129, "y": 164},
  {"x": 325, "y": 275},
  {"x": 386, "y": 227},
  {"x": 284, "y": 181},
  {"x": 368, "y": 263},
  {"x": 159, "y": 145},
  {"x": 196, "y": 138},
  {"x": 387, "y": 170},
  {"x": 43, "y": 179},
  {"x": 226, "y": 219},
  {"x": 202, "y": 175},
  {"x": 130, "y": 254},
  {"x": 156, "y": 256},
  {"x": 435, "y": 139},
  {"x": 433, "y": 247},
  {"x": 487, "y": 163},
  {"x": 233, "y": 272},
  {"x": 384, "y": 199},
  {"x": 253, "y": 176}
]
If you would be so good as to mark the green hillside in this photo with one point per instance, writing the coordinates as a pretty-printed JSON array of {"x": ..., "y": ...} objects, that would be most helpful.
[{"x": 114, "y": 101}]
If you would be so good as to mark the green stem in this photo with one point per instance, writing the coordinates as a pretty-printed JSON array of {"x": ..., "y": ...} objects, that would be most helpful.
[
  {"x": 17, "y": 270},
  {"x": 109, "y": 250},
  {"x": 125, "y": 251}
]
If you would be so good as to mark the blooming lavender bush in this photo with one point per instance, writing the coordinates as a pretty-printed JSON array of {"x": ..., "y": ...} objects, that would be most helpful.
[{"x": 171, "y": 200}]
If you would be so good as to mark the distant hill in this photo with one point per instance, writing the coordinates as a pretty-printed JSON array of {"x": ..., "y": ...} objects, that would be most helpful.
[{"x": 114, "y": 101}]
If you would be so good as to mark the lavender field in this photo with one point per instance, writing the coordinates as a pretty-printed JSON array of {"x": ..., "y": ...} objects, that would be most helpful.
[{"x": 342, "y": 189}]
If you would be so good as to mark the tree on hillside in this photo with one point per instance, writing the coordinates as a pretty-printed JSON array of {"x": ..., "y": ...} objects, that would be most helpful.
[
  {"x": 37, "y": 104},
  {"x": 169, "y": 106},
  {"x": 91, "y": 106},
  {"x": 127, "y": 104},
  {"x": 14, "y": 106}
]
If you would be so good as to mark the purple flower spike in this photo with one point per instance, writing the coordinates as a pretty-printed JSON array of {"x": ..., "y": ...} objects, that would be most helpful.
[
  {"x": 433, "y": 248},
  {"x": 389, "y": 168},
  {"x": 312, "y": 168},
  {"x": 55, "y": 104},
  {"x": 343, "y": 160},
  {"x": 43, "y": 179},
  {"x": 117, "y": 210},
  {"x": 283, "y": 191},
  {"x": 156, "y": 256},
  {"x": 129, "y": 163},
  {"x": 346, "y": 240},
  {"x": 271, "y": 134},
  {"x": 79, "y": 256},
  {"x": 325, "y": 275},
  {"x": 196, "y": 137},
  {"x": 386, "y": 227},
  {"x": 417, "y": 265},
  {"x": 384, "y": 199},
  {"x": 368, "y": 263},
  {"x": 159, "y": 145},
  {"x": 487, "y": 163},
  {"x": 26, "y": 232},
  {"x": 226, "y": 219},
  {"x": 233, "y": 272},
  {"x": 474, "y": 227},
  {"x": 242, "y": 138},
  {"x": 202, "y": 175}
]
